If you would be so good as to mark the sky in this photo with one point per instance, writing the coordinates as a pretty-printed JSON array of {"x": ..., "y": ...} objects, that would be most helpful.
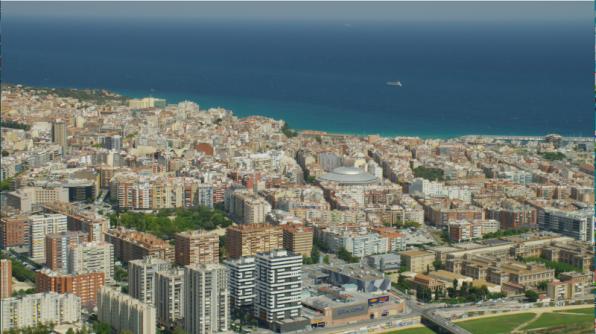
[{"x": 334, "y": 10}]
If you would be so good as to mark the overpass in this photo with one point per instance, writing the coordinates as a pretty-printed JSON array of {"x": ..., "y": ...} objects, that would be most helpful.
[{"x": 440, "y": 324}]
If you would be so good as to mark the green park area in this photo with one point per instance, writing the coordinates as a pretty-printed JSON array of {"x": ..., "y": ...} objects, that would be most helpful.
[
  {"x": 567, "y": 321},
  {"x": 418, "y": 330}
]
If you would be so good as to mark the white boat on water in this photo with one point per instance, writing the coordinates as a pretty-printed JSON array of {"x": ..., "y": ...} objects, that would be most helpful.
[{"x": 394, "y": 83}]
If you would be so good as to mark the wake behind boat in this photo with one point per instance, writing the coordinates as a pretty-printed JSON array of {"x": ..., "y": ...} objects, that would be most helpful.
[{"x": 394, "y": 83}]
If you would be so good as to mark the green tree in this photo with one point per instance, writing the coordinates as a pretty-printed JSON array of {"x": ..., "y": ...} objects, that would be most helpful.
[
  {"x": 531, "y": 295},
  {"x": 326, "y": 259},
  {"x": 437, "y": 264}
]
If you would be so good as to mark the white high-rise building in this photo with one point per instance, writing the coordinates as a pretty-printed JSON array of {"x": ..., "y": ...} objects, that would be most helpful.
[
  {"x": 40, "y": 226},
  {"x": 169, "y": 297},
  {"x": 123, "y": 312},
  {"x": 39, "y": 309},
  {"x": 92, "y": 257},
  {"x": 141, "y": 277},
  {"x": 206, "y": 299},
  {"x": 278, "y": 286},
  {"x": 242, "y": 282}
]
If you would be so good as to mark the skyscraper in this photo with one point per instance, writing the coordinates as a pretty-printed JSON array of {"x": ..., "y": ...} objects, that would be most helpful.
[
  {"x": 278, "y": 286},
  {"x": 241, "y": 282},
  {"x": 169, "y": 297},
  {"x": 5, "y": 278},
  {"x": 91, "y": 257},
  {"x": 141, "y": 277},
  {"x": 123, "y": 312},
  {"x": 40, "y": 226},
  {"x": 60, "y": 134},
  {"x": 57, "y": 248},
  {"x": 206, "y": 299}
]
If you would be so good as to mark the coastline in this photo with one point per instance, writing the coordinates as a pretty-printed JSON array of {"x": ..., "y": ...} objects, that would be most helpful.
[{"x": 243, "y": 107}]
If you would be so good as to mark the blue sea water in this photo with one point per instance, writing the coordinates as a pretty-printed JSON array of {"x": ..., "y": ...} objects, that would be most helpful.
[{"x": 462, "y": 78}]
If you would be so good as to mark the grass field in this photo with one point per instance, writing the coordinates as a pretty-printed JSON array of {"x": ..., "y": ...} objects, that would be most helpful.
[
  {"x": 421, "y": 330},
  {"x": 589, "y": 310},
  {"x": 495, "y": 325},
  {"x": 557, "y": 319}
]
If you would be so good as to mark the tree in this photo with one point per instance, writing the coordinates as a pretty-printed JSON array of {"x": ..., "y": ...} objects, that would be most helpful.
[
  {"x": 315, "y": 254},
  {"x": 531, "y": 295},
  {"x": 437, "y": 264},
  {"x": 326, "y": 259},
  {"x": 543, "y": 285},
  {"x": 423, "y": 293}
]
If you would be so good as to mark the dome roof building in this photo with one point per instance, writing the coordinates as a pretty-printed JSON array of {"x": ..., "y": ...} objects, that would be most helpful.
[{"x": 348, "y": 176}]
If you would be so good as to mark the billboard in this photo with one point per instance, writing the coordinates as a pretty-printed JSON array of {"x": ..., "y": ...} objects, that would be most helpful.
[
  {"x": 349, "y": 311},
  {"x": 378, "y": 300}
]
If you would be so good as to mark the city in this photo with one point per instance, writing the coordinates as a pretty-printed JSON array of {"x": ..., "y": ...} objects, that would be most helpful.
[{"x": 136, "y": 215}]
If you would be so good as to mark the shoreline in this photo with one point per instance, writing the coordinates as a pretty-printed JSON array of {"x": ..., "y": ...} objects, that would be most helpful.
[{"x": 174, "y": 98}]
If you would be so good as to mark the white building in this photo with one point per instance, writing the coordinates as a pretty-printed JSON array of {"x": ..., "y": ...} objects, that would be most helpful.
[
  {"x": 278, "y": 286},
  {"x": 40, "y": 226},
  {"x": 206, "y": 299},
  {"x": 123, "y": 312},
  {"x": 242, "y": 277},
  {"x": 92, "y": 257},
  {"x": 141, "y": 277},
  {"x": 169, "y": 297},
  {"x": 39, "y": 309},
  {"x": 365, "y": 244}
]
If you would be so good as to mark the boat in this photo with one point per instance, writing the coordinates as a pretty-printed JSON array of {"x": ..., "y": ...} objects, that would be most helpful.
[{"x": 394, "y": 83}]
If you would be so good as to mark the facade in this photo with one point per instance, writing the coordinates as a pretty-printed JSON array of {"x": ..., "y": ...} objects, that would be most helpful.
[
  {"x": 85, "y": 286},
  {"x": 417, "y": 261},
  {"x": 197, "y": 247},
  {"x": 468, "y": 230},
  {"x": 58, "y": 246},
  {"x": 298, "y": 238},
  {"x": 250, "y": 239},
  {"x": 242, "y": 276},
  {"x": 5, "y": 278},
  {"x": 206, "y": 299},
  {"x": 123, "y": 312},
  {"x": 141, "y": 277},
  {"x": 575, "y": 224},
  {"x": 278, "y": 287},
  {"x": 169, "y": 297},
  {"x": 92, "y": 257},
  {"x": 14, "y": 232},
  {"x": 60, "y": 134},
  {"x": 40, "y": 226},
  {"x": 133, "y": 245},
  {"x": 58, "y": 309}
]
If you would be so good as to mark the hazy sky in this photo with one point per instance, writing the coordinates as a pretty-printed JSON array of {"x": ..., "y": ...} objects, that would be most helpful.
[{"x": 345, "y": 11}]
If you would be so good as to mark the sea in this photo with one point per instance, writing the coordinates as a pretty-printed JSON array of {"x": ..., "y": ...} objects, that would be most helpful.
[{"x": 458, "y": 78}]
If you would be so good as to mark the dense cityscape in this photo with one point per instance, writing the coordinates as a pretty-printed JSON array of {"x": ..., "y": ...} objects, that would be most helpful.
[{"x": 136, "y": 215}]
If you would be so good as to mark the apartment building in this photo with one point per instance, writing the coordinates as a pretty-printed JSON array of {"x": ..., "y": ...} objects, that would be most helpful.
[
  {"x": 206, "y": 299},
  {"x": 250, "y": 239},
  {"x": 134, "y": 245},
  {"x": 141, "y": 277},
  {"x": 196, "y": 247},
  {"x": 298, "y": 238},
  {"x": 125, "y": 313},
  {"x": 50, "y": 308},
  {"x": 85, "y": 286}
]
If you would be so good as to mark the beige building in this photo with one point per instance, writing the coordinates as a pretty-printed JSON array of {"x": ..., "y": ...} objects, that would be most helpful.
[
  {"x": 417, "y": 261},
  {"x": 134, "y": 245},
  {"x": 197, "y": 247},
  {"x": 206, "y": 299},
  {"x": 298, "y": 238},
  {"x": 250, "y": 239},
  {"x": 123, "y": 312}
]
